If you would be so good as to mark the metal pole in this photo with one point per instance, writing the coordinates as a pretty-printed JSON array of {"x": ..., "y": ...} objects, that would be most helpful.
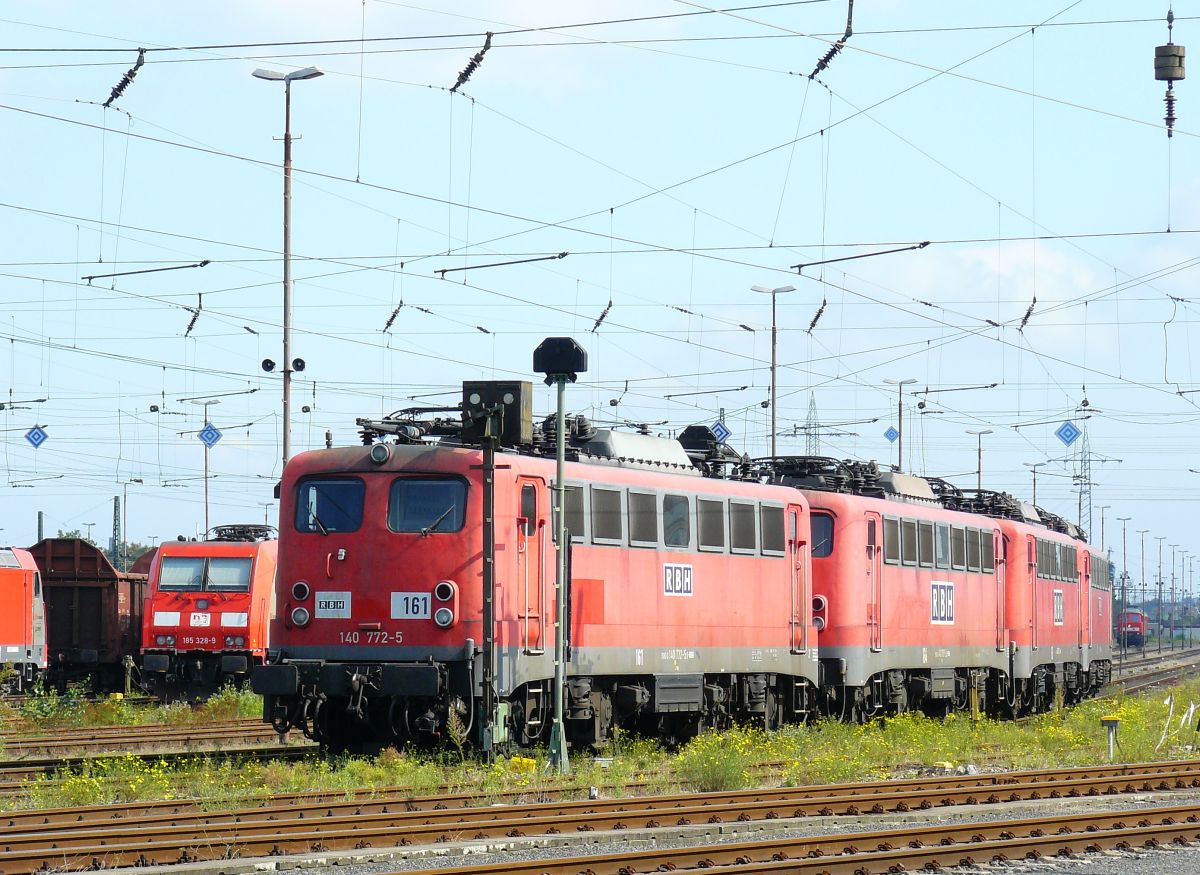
[
  {"x": 1035, "y": 486},
  {"x": 558, "y": 738},
  {"x": 206, "y": 525},
  {"x": 488, "y": 708},
  {"x": 900, "y": 426},
  {"x": 1124, "y": 643},
  {"x": 1143, "y": 532},
  {"x": 124, "y": 545},
  {"x": 1160, "y": 539},
  {"x": 287, "y": 269},
  {"x": 773, "y": 347}
]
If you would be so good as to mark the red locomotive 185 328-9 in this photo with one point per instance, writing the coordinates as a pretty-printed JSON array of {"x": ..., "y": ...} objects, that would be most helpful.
[{"x": 415, "y": 589}]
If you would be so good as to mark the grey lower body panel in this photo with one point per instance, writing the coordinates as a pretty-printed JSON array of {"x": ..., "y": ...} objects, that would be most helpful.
[{"x": 856, "y": 665}]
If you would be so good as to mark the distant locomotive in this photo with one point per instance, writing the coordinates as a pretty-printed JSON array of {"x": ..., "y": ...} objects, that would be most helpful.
[
  {"x": 208, "y": 609},
  {"x": 417, "y": 597},
  {"x": 22, "y": 621},
  {"x": 1131, "y": 627}
]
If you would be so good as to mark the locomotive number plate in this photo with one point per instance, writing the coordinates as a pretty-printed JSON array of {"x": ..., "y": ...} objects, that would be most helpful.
[
  {"x": 410, "y": 605},
  {"x": 198, "y": 619}
]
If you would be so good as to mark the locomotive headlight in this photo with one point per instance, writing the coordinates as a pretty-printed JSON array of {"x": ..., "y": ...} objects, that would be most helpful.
[
  {"x": 171, "y": 640},
  {"x": 160, "y": 640},
  {"x": 444, "y": 591},
  {"x": 301, "y": 590},
  {"x": 380, "y": 453},
  {"x": 301, "y": 616},
  {"x": 443, "y": 617},
  {"x": 234, "y": 640}
]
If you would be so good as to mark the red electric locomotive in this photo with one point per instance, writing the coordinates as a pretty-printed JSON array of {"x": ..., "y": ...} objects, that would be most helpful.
[
  {"x": 927, "y": 597},
  {"x": 22, "y": 620},
  {"x": 208, "y": 610},
  {"x": 417, "y": 584},
  {"x": 1131, "y": 627}
]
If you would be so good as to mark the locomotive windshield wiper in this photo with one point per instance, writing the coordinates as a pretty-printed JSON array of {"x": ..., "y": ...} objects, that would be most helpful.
[
  {"x": 320, "y": 525},
  {"x": 433, "y": 526}
]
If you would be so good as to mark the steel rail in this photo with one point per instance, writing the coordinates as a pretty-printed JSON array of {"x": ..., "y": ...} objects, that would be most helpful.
[
  {"x": 273, "y": 832},
  {"x": 930, "y": 848}
]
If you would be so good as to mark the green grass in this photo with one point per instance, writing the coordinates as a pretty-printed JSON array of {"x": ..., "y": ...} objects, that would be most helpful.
[
  {"x": 46, "y": 711},
  {"x": 825, "y": 752}
]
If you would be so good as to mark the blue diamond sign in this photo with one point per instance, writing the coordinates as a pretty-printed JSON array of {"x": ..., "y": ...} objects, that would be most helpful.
[
  {"x": 721, "y": 430},
  {"x": 1068, "y": 433},
  {"x": 891, "y": 434},
  {"x": 36, "y": 436},
  {"x": 209, "y": 435}
]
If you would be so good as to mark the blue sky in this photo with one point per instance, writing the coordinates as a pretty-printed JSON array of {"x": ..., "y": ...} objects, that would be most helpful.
[{"x": 679, "y": 155}]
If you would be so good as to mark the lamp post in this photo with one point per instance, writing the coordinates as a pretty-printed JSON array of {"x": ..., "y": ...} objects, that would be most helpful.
[
  {"x": 124, "y": 545},
  {"x": 205, "y": 403},
  {"x": 900, "y": 384},
  {"x": 767, "y": 290},
  {"x": 287, "y": 79},
  {"x": 1143, "y": 532},
  {"x": 1171, "y": 613},
  {"x": 1102, "y": 508},
  {"x": 1033, "y": 466},
  {"x": 979, "y": 455},
  {"x": 89, "y": 530},
  {"x": 1160, "y": 539}
]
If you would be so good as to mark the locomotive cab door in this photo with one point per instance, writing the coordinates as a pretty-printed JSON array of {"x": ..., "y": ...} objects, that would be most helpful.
[
  {"x": 874, "y": 579},
  {"x": 1085, "y": 602},
  {"x": 532, "y": 532},
  {"x": 1031, "y": 562},
  {"x": 1000, "y": 566},
  {"x": 801, "y": 596}
]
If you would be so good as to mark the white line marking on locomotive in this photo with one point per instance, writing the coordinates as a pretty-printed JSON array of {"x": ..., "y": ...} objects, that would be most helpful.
[{"x": 677, "y": 579}]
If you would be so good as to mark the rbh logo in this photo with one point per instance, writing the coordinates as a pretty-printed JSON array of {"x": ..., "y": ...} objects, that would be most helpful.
[
  {"x": 677, "y": 579},
  {"x": 941, "y": 603}
]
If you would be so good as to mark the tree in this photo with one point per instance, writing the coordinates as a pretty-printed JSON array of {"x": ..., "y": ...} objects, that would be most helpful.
[{"x": 76, "y": 533}]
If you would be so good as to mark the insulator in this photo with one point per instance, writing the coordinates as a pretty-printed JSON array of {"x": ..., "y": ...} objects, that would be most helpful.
[
  {"x": 1169, "y": 118},
  {"x": 1168, "y": 62}
]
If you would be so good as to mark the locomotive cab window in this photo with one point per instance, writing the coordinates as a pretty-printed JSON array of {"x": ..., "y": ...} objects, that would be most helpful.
[
  {"x": 908, "y": 542},
  {"x": 529, "y": 509},
  {"x": 712, "y": 524},
  {"x": 987, "y": 541},
  {"x": 958, "y": 548},
  {"x": 941, "y": 545},
  {"x": 427, "y": 505},
  {"x": 329, "y": 505},
  {"x": 742, "y": 536},
  {"x": 891, "y": 541},
  {"x": 606, "y": 516},
  {"x": 677, "y": 521},
  {"x": 771, "y": 522},
  {"x": 204, "y": 574},
  {"x": 822, "y": 535},
  {"x": 643, "y": 519}
]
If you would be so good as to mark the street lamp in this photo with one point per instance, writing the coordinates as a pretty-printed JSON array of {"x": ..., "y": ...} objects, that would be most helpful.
[
  {"x": 1033, "y": 466},
  {"x": 205, "y": 404},
  {"x": 979, "y": 455},
  {"x": 1171, "y": 615},
  {"x": 124, "y": 545},
  {"x": 1124, "y": 602},
  {"x": 89, "y": 530},
  {"x": 1102, "y": 508},
  {"x": 1143, "y": 532},
  {"x": 1160, "y": 539},
  {"x": 900, "y": 384},
  {"x": 287, "y": 79},
  {"x": 767, "y": 290}
]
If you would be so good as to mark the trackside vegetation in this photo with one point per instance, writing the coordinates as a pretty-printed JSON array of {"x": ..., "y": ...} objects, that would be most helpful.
[{"x": 1156, "y": 726}]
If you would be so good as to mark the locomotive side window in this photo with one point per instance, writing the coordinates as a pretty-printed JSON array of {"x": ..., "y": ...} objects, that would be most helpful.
[
  {"x": 427, "y": 505},
  {"x": 988, "y": 542},
  {"x": 529, "y": 508},
  {"x": 925, "y": 544},
  {"x": 822, "y": 535},
  {"x": 942, "y": 545},
  {"x": 742, "y": 537},
  {"x": 712, "y": 524},
  {"x": 891, "y": 541},
  {"x": 677, "y": 521},
  {"x": 972, "y": 549},
  {"x": 643, "y": 519},
  {"x": 908, "y": 542},
  {"x": 37, "y": 585},
  {"x": 771, "y": 522},
  {"x": 576, "y": 518},
  {"x": 606, "y": 515},
  {"x": 958, "y": 548},
  {"x": 329, "y": 505}
]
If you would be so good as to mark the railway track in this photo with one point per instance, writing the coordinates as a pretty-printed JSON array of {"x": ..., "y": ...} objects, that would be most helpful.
[
  {"x": 105, "y": 739},
  {"x": 33, "y": 840},
  {"x": 914, "y": 848}
]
